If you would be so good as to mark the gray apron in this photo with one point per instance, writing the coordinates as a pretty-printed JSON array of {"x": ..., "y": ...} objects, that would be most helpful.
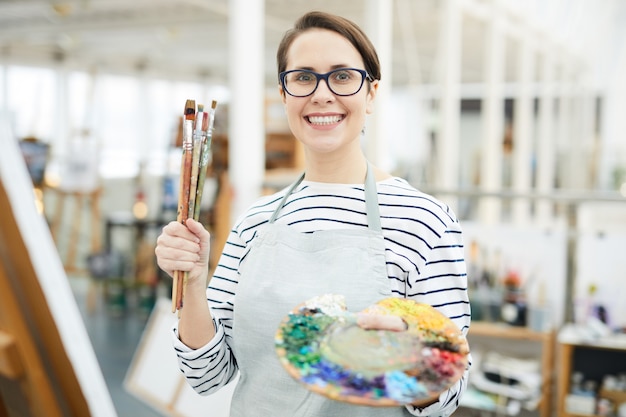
[{"x": 284, "y": 268}]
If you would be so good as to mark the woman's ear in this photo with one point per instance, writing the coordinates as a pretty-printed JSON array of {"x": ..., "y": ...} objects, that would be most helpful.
[
  {"x": 371, "y": 95},
  {"x": 283, "y": 96}
]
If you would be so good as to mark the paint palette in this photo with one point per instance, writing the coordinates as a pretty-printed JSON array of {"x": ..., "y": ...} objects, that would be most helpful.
[{"x": 321, "y": 345}]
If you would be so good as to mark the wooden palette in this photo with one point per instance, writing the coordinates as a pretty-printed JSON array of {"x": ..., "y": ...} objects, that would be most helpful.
[{"x": 320, "y": 345}]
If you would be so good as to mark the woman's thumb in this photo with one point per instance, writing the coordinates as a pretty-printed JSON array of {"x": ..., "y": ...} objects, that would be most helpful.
[{"x": 198, "y": 229}]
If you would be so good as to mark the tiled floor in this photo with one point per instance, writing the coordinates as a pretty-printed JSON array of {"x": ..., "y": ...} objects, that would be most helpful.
[{"x": 114, "y": 338}]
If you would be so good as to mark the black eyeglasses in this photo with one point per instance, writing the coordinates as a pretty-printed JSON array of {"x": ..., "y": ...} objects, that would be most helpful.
[{"x": 342, "y": 81}]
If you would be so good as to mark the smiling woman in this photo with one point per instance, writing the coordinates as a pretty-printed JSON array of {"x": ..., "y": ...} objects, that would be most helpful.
[{"x": 344, "y": 227}]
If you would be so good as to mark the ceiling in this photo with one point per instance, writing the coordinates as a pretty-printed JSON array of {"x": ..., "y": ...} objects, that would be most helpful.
[{"x": 188, "y": 39}]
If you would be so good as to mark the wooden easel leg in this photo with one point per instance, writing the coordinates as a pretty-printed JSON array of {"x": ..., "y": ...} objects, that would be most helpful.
[
  {"x": 75, "y": 233},
  {"x": 93, "y": 294},
  {"x": 95, "y": 222},
  {"x": 95, "y": 288},
  {"x": 58, "y": 217},
  {"x": 3, "y": 411},
  {"x": 177, "y": 391}
]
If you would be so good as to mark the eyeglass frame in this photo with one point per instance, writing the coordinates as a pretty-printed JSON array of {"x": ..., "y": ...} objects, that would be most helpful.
[{"x": 364, "y": 76}]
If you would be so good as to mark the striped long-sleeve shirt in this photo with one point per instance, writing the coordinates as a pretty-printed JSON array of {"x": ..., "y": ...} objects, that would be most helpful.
[{"x": 424, "y": 261}]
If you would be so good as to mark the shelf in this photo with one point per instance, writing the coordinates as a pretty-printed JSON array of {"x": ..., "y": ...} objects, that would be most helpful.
[
  {"x": 283, "y": 150},
  {"x": 618, "y": 397},
  {"x": 575, "y": 356},
  {"x": 502, "y": 330},
  {"x": 544, "y": 339}
]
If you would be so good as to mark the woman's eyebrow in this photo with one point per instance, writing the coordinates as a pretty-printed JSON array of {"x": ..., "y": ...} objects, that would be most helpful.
[{"x": 332, "y": 67}]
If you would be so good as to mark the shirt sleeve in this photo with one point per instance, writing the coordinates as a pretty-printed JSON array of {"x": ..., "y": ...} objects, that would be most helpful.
[
  {"x": 214, "y": 365},
  {"x": 442, "y": 283}
]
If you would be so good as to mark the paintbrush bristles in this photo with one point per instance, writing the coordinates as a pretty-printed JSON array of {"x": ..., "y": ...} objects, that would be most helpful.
[
  {"x": 212, "y": 116},
  {"x": 199, "y": 132},
  {"x": 190, "y": 109}
]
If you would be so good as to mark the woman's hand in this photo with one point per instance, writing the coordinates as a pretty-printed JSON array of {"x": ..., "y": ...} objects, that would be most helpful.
[
  {"x": 184, "y": 248},
  {"x": 373, "y": 321}
]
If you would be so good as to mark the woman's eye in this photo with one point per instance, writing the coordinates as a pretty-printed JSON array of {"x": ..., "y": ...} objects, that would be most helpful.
[
  {"x": 304, "y": 77},
  {"x": 342, "y": 76}
]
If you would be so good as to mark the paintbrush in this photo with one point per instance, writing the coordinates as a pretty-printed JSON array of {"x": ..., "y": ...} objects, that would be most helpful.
[
  {"x": 207, "y": 127},
  {"x": 183, "y": 194},
  {"x": 198, "y": 139}
]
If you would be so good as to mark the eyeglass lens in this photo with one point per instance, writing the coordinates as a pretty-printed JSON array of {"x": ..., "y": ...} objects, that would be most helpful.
[{"x": 341, "y": 82}]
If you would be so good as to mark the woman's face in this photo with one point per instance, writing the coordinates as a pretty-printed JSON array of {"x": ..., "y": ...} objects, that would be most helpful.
[{"x": 323, "y": 121}]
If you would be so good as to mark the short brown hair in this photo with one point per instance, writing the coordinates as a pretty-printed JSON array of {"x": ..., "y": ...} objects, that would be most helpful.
[{"x": 346, "y": 28}]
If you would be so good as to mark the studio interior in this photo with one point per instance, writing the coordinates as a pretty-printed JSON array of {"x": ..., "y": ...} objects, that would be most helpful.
[{"x": 512, "y": 113}]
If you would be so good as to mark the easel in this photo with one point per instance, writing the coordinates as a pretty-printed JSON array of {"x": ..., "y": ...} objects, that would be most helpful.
[
  {"x": 164, "y": 387},
  {"x": 33, "y": 363},
  {"x": 47, "y": 365},
  {"x": 82, "y": 200}
]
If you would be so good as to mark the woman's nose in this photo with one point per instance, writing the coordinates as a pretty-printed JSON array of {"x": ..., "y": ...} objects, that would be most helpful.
[{"x": 322, "y": 93}]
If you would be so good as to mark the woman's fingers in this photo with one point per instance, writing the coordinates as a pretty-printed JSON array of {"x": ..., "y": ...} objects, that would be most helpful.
[
  {"x": 170, "y": 259},
  {"x": 203, "y": 240},
  {"x": 182, "y": 247},
  {"x": 369, "y": 321},
  {"x": 175, "y": 230},
  {"x": 198, "y": 230}
]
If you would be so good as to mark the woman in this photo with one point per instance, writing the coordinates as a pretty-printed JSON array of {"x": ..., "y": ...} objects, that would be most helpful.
[{"x": 325, "y": 234}]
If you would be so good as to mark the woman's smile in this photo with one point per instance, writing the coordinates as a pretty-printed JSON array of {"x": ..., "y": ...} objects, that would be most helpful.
[{"x": 325, "y": 120}]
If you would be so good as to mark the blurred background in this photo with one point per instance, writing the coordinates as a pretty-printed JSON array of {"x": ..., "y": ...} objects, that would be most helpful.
[{"x": 511, "y": 112}]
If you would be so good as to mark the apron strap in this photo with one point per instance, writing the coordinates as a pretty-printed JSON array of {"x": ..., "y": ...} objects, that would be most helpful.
[
  {"x": 371, "y": 200},
  {"x": 284, "y": 200}
]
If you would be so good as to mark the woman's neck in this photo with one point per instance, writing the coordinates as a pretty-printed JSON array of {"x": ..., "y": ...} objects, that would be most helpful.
[{"x": 346, "y": 170}]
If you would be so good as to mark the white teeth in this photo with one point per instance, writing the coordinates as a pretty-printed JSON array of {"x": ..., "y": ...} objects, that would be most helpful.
[{"x": 324, "y": 120}]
